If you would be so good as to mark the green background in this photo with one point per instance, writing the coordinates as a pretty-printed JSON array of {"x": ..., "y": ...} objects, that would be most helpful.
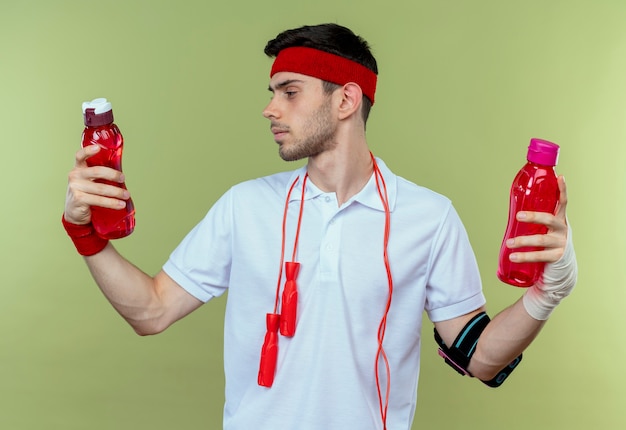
[{"x": 463, "y": 86}]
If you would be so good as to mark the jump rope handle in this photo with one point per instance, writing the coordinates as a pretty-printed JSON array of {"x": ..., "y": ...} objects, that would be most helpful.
[
  {"x": 289, "y": 306},
  {"x": 269, "y": 352}
]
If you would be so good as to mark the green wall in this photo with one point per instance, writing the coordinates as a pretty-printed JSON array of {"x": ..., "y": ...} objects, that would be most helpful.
[{"x": 463, "y": 86}]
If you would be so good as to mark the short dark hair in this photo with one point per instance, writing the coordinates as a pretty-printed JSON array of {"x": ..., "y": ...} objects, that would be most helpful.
[{"x": 332, "y": 38}]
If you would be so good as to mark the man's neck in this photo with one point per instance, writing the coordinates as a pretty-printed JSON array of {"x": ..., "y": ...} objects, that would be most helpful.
[{"x": 343, "y": 170}]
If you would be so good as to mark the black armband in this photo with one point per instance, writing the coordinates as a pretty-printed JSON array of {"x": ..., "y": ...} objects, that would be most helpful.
[{"x": 458, "y": 356}]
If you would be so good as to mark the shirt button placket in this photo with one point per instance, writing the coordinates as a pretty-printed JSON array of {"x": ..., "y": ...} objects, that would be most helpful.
[{"x": 329, "y": 255}]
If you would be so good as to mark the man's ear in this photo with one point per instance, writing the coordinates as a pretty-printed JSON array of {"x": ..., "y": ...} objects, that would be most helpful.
[{"x": 351, "y": 99}]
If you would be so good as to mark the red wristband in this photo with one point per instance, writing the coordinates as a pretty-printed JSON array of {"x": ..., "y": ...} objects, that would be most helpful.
[{"x": 85, "y": 238}]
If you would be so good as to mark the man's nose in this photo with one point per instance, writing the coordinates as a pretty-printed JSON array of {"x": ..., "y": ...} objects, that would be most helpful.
[{"x": 271, "y": 110}]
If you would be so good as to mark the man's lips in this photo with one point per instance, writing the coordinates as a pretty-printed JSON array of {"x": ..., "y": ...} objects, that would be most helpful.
[{"x": 279, "y": 132}]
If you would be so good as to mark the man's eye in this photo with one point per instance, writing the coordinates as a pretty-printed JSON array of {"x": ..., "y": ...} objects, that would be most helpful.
[{"x": 290, "y": 94}]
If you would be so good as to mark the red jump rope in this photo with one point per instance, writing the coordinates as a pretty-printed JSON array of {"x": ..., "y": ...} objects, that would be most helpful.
[{"x": 285, "y": 321}]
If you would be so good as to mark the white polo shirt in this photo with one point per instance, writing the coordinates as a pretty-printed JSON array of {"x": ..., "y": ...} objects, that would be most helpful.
[{"x": 325, "y": 377}]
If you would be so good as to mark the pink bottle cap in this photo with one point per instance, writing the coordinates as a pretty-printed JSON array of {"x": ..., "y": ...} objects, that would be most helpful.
[{"x": 543, "y": 152}]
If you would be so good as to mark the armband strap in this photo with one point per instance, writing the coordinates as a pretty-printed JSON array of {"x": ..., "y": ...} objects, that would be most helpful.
[
  {"x": 458, "y": 356},
  {"x": 85, "y": 238}
]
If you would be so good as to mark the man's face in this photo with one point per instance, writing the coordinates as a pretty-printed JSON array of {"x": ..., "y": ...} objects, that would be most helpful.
[{"x": 301, "y": 117}]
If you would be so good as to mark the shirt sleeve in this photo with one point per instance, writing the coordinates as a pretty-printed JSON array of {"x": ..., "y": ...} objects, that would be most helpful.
[
  {"x": 201, "y": 262},
  {"x": 454, "y": 286}
]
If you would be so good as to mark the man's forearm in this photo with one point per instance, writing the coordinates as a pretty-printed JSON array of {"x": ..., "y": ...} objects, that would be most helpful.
[
  {"x": 513, "y": 329},
  {"x": 507, "y": 335},
  {"x": 131, "y": 291}
]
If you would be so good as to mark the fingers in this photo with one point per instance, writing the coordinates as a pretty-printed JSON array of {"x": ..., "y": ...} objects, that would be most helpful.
[
  {"x": 547, "y": 247},
  {"x": 83, "y": 194},
  {"x": 538, "y": 248},
  {"x": 555, "y": 223},
  {"x": 562, "y": 198},
  {"x": 84, "y": 153},
  {"x": 86, "y": 191}
]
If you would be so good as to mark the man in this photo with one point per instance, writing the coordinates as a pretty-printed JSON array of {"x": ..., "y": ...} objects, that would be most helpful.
[{"x": 330, "y": 267}]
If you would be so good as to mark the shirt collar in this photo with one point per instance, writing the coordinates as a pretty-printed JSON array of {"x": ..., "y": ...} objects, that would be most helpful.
[
  {"x": 368, "y": 196},
  {"x": 310, "y": 192}
]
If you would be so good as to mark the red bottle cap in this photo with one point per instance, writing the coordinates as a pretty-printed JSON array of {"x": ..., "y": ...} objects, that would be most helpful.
[{"x": 97, "y": 112}]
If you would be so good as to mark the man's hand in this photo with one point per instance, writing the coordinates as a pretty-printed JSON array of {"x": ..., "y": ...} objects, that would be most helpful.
[
  {"x": 553, "y": 242},
  {"x": 85, "y": 188},
  {"x": 561, "y": 272}
]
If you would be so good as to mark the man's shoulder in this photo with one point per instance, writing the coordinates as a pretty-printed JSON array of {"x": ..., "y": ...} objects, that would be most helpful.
[
  {"x": 275, "y": 183},
  {"x": 409, "y": 191}
]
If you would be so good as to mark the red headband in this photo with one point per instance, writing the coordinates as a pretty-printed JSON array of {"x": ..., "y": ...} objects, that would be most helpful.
[{"x": 325, "y": 66}]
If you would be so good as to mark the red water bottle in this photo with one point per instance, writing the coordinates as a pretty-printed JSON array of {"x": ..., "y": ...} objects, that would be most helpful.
[
  {"x": 100, "y": 130},
  {"x": 535, "y": 188}
]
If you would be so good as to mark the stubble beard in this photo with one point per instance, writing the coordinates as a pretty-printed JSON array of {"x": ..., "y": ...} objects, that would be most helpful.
[{"x": 319, "y": 136}]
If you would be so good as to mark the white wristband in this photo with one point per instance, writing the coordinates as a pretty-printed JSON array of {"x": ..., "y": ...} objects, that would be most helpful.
[{"x": 558, "y": 281}]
